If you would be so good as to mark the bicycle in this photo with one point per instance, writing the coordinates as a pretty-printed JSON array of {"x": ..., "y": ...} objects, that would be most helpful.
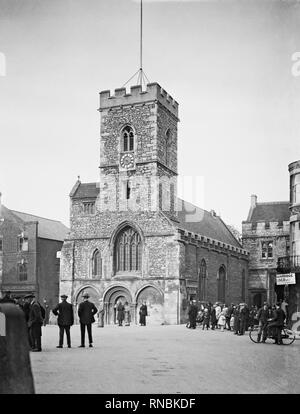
[{"x": 287, "y": 335}]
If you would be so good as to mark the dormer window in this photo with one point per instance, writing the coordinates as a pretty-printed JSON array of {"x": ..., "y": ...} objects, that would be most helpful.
[{"x": 127, "y": 139}]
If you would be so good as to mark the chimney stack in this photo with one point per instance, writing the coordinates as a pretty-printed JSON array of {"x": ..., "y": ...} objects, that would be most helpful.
[{"x": 253, "y": 200}]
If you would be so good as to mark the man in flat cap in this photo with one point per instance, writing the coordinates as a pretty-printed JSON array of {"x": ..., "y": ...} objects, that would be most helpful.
[
  {"x": 35, "y": 322},
  {"x": 86, "y": 312},
  {"x": 65, "y": 314}
]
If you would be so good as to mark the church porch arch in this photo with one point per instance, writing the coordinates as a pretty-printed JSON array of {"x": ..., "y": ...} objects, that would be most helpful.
[
  {"x": 154, "y": 298},
  {"x": 110, "y": 299}
]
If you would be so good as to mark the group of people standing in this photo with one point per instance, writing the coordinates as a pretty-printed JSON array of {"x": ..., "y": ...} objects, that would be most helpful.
[
  {"x": 123, "y": 313},
  {"x": 35, "y": 316},
  {"x": 237, "y": 318}
]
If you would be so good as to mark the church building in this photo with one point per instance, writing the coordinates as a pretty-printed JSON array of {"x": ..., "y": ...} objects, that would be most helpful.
[{"x": 131, "y": 237}]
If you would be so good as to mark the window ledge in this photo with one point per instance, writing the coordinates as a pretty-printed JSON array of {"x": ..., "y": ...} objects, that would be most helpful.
[{"x": 133, "y": 274}]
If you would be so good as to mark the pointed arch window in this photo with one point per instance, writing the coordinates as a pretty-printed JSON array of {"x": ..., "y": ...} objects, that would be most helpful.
[
  {"x": 167, "y": 149},
  {"x": 202, "y": 280},
  {"x": 23, "y": 271},
  {"x": 128, "y": 251},
  {"x": 127, "y": 139},
  {"x": 96, "y": 264},
  {"x": 221, "y": 284}
]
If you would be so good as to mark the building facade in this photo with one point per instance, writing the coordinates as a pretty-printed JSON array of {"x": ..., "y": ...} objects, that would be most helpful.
[
  {"x": 266, "y": 235},
  {"x": 290, "y": 263},
  {"x": 28, "y": 255},
  {"x": 131, "y": 238}
]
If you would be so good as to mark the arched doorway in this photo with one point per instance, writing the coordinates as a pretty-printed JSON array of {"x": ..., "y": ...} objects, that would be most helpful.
[
  {"x": 221, "y": 284},
  {"x": 258, "y": 300},
  {"x": 111, "y": 298},
  {"x": 155, "y": 305}
]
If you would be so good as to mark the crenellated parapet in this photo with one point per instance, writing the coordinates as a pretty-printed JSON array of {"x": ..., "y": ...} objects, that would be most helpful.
[
  {"x": 154, "y": 92},
  {"x": 197, "y": 239}
]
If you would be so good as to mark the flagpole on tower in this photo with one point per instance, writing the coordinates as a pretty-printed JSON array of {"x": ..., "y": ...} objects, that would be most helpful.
[
  {"x": 141, "y": 76},
  {"x": 141, "y": 43}
]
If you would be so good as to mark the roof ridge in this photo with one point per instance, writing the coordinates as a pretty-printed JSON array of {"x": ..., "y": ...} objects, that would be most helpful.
[
  {"x": 272, "y": 202},
  {"x": 34, "y": 215},
  {"x": 208, "y": 212}
]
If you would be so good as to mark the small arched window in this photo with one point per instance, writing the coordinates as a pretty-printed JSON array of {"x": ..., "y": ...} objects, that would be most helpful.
[
  {"x": 221, "y": 284},
  {"x": 127, "y": 139},
  {"x": 167, "y": 149},
  {"x": 96, "y": 264},
  {"x": 128, "y": 251},
  {"x": 202, "y": 280}
]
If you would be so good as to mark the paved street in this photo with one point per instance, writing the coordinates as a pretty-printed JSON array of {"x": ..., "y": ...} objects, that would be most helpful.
[{"x": 164, "y": 359}]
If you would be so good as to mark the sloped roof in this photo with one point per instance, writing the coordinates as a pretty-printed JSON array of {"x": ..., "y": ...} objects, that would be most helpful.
[
  {"x": 190, "y": 217},
  {"x": 86, "y": 190},
  {"x": 272, "y": 211},
  {"x": 197, "y": 220},
  {"x": 47, "y": 229}
]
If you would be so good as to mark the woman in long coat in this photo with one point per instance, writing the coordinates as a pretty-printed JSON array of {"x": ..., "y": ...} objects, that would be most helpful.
[
  {"x": 127, "y": 314},
  {"x": 236, "y": 323},
  {"x": 120, "y": 313},
  {"x": 143, "y": 314}
]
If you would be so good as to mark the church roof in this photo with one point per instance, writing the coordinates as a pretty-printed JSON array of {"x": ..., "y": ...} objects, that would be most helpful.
[
  {"x": 191, "y": 218},
  {"x": 272, "y": 211},
  {"x": 47, "y": 228},
  {"x": 85, "y": 190},
  {"x": 208, "y": 224}
]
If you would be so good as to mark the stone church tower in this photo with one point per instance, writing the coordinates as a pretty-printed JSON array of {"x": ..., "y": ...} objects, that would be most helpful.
[
  {"x": 122, "y": 245},
  {"x": 130, "y": 236}
]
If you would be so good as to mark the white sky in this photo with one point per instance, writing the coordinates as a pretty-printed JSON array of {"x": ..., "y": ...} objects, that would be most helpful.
[{"x": 227, "y": 63}]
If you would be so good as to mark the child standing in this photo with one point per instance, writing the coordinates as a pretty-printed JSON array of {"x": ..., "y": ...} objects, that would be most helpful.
[{"x": 221, "y": 321}]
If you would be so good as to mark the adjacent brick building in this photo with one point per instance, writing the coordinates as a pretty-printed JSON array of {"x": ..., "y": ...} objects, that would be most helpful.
[
  {"x": 28, "y": 254},
  {"x": 131, "y": 238},
  {"x": 266, "y": 235}
]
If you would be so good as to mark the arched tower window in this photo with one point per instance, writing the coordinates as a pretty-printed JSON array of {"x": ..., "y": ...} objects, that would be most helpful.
[
  {"x": 96, "y": 264},
  {"x": 128, "y": 251},
  {"x": 202, "y": 280},
  {"x": 221, "y": 284},
  {"x": 167, "y": 148},
  {"x": 127, "y": 139}
]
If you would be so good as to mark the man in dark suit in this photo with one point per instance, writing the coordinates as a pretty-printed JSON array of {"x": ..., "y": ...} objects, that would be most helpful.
[
  {"x": 65, "y": 320},
  {"x": 277, "y": 323},
  {"x": 262, "y": 317},
  {"x": 86, "y": 312},
  {"x": 193, "y": 311},
  {"x": 35, "y": 322}
]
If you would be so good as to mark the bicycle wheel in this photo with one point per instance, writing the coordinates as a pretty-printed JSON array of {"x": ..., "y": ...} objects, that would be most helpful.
[
  {"x": 254, "y": 336},
  {"x": 287, "y": 336}
]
